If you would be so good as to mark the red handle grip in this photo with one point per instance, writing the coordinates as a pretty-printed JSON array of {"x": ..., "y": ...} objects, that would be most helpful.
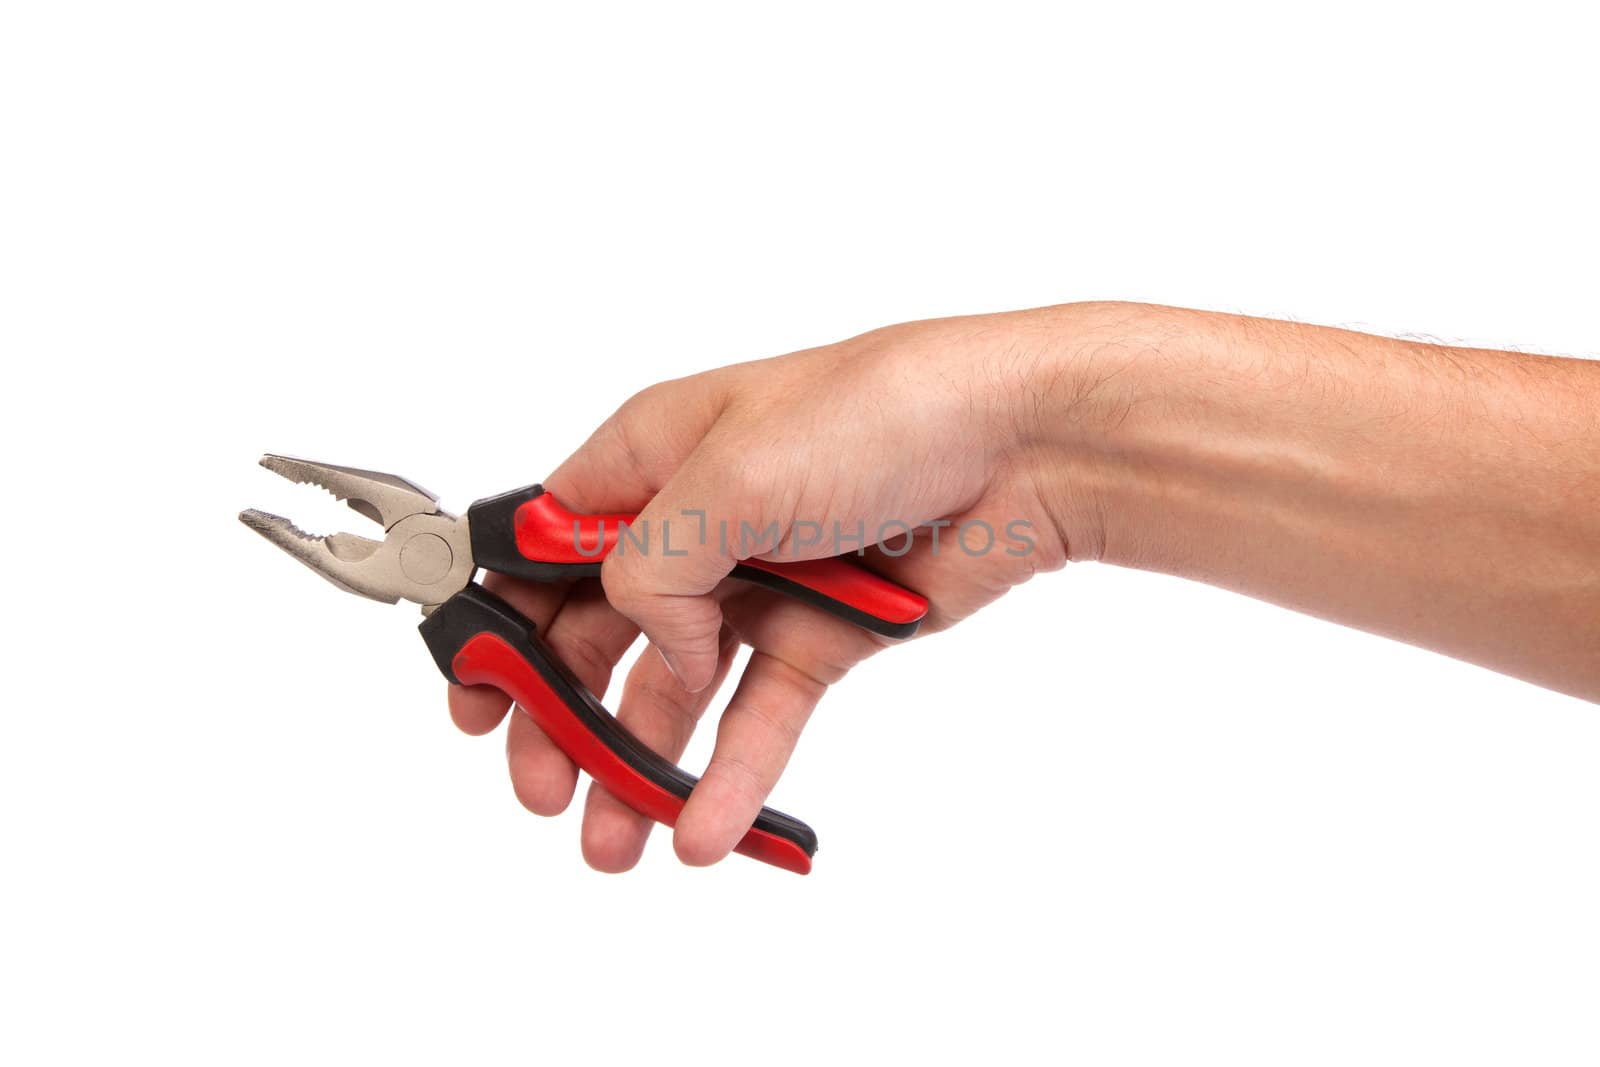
[
  {"x": 549, "y": 541},
  {"x": 479, "y": 639}
]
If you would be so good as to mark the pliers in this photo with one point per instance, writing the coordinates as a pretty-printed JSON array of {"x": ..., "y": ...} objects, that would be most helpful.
[{"x": 430, "y": 557}]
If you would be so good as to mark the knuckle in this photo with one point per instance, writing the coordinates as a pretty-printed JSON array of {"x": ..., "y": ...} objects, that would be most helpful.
[
  {"x": 622, "y": 582},
  {"x": 752, "y": 474},
  {"x": 679, "y": 714},
  {"x": 739, "y": 467},
  {"x": 642, "y": 405},
  {"x": 831, "y": 663},
  {"x": 585, "y": 656},
  {"x": 815, "y": 669},
  {"x": 780, "y": 726},
  {"x": 738, "y": 775}
]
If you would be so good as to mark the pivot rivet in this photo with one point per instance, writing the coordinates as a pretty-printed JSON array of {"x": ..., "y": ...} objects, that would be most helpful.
[{"x": 426, "y": 558}]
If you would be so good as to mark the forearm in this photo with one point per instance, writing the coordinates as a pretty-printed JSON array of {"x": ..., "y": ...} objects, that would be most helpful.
[{"x": 1446, "y": 497}]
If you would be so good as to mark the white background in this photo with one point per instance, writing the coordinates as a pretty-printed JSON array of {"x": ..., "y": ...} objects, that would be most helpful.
[{"x": 1116, "y": 819}]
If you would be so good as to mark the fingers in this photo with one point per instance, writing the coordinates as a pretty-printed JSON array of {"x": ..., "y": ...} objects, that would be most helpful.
[
  {"x": 662, "y": 714},
  {"x": 755, "y": 738},
  {"x": 583, "y": 631},
  {"x": 688, "y": 549},
  {"x": 589, "y": 637},
  {"x": 641, "y": 460},
  {"x": 959, "y": 569},
  {"x": 478, "y": 709},
  {"x": 619, "y": 468},
  {"x": 822, "y": 646},
  {"x": 800, "y": 652},
  {"x": 810, "y": 651},
  {"x": 542, "y": 776},
  {"x": 681, "y": 625}
]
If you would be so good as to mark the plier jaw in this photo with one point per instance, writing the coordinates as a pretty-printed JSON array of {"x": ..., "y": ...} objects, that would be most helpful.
[{"x": 425, "y": 556}]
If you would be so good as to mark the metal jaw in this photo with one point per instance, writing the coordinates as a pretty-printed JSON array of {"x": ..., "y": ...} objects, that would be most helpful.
[{"x": 425, "y": 556}]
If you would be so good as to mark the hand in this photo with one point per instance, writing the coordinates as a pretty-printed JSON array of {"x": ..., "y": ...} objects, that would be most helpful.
[
  {"x": 1442, "y": 496},
  {"x": 874, "y": 436}
]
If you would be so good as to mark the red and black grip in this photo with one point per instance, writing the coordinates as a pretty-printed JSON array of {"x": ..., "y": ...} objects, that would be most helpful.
[
  {"x": 527, "y": 533},
  {"x": 478, "y": 639}
]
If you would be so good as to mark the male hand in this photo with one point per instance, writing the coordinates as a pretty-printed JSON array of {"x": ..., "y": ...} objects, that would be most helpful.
[
  {"x": 874, "y": 436},
  {"x": 1449, "y": 497}
]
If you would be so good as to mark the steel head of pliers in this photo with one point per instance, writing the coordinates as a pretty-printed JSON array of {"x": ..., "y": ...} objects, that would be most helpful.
[{"x": 425, "y": 556}]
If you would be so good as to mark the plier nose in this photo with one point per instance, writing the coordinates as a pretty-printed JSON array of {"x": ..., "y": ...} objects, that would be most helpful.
[{"x": 425, "y": 556}]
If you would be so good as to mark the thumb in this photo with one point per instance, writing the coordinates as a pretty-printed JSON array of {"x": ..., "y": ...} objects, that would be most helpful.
[{"x": 684, "y": 542}]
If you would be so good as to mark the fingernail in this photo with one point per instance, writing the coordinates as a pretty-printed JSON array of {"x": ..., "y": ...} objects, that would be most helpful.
[
  {"x": 672, "y": 663},
  {"x": 676, "y": 667}
]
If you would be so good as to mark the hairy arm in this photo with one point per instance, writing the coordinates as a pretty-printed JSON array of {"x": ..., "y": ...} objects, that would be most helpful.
[{"x": 1448, "y": 497}]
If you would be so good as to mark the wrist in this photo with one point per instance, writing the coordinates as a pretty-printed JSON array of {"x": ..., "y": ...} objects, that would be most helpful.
[
  {"x": 1175, "y": 440},
  {"x": 1096, "y": 387}
]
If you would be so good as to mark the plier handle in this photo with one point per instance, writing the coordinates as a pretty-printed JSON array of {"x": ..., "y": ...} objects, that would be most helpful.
[{"x": 431, "y": 557}]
